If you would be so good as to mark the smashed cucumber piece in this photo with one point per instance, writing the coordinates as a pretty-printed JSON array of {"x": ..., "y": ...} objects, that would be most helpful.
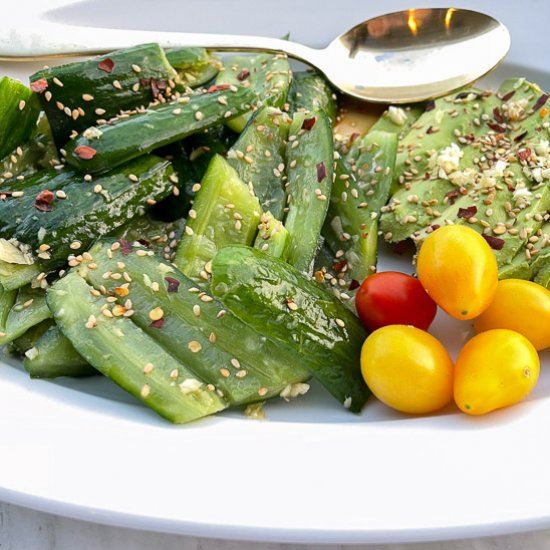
[
  {"x": 53, "y": 355},
  {"x": 29, "y": 309},
  {"x": 360, "y": 189},
  {"x": 269, "y": 75},
  {"x": 123, "y": 352},
  {"x": 224, "y": 212},
  {"x": 258, "y": 156},
  {"x": 310, "y": 158},
  {"x": 273, "y": 297},
  {"x": 478, "y": 158}
]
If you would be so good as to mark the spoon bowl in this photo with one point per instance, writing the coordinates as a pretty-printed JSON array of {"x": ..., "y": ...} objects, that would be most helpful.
[
  {"x": 401, "y": 57},
  {"x": 415, "y": 55}
]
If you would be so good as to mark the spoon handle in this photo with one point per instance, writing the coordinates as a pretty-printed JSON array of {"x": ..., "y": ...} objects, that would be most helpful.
[{"x": 47, "y": 40}]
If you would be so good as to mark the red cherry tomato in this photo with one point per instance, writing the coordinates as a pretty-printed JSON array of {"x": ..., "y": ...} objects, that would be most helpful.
[{"x": 393, "y": 298}]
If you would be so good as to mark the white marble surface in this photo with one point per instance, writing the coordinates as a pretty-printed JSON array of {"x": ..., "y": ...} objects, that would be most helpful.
[{"x": 23, "y": 529}]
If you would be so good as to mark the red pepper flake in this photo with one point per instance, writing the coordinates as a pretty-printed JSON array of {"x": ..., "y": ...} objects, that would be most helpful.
[
  {"x": 430, "y": 106},
  {"x": 217, "y": 88},
  {"x": 467, "y": 213},
  {"x": 106, "y": 65},
  {"x": 524, "y": 154},
  {"x": 309, "y": 123},
  {"x": 452, "y": 196},
  {"x": 126, "y": 247},
  {"x": 519, "y": 137},
  {"x": 498, "y": 115},
  {"x": 321, "y": 172},
  {"x": 39, "y": 86},
  {"x": 508, "y": 96},
  {"x": 354, "y": 284},
  {"x": 496, "y": 127},
  {"x": 243, "y": 75},
  {"x": 434, "y": 226},
  {"x": 44, "y": 200},
  {"x": 172, "y": 284},
  {"x": 85, "y": 152},
  {"x": 5, "y": 194},
  {"x": 338, "y": 266},
  {"x": 353, "y": 137},
  {"x": 540, "y": 102},
  {"x": 494, "y": 242},
  {"x": 154, "y": 87},
  {"x": 430, "y": 130},
  {"x": 159, "y": 323}
]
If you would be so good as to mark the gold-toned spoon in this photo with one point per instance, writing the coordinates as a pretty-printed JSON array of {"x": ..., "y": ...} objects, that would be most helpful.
[{"x": 400, "y": 57}]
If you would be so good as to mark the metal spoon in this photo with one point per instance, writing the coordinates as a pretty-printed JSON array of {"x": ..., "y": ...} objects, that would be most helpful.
[{"x": 400, "y": 57}]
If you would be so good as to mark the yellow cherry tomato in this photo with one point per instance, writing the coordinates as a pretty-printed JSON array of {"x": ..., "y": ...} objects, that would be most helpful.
[
  {"x": 407, "y": 369},
  {"x": 459, "y": 271},
  {"x": 522, "y": 306},
  {"x": 495, "y": 369}
]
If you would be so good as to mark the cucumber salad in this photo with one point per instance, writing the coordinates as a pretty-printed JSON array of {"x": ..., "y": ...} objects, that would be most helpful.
[{"x": 197, "y": 229}]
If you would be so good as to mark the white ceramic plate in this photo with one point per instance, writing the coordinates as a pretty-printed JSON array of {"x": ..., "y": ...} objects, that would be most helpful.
[{"x": 312, "y": 472}]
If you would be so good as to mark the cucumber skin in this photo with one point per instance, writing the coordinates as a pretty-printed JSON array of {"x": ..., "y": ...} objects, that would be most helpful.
[
  {"x": 308, "y": 198},
  {"x": 266, "y": 132},
  {"x": 120, "y": 350},
  {"x": 84, "y": 215},
  {"x": 55, "y": 356},
  {"x": 141, "y": 133},
  {"x": 258, "y": 289},
  {"x": 21, "y": 318},
  {"x": 85, "y": 77},
  {"x": 16, "y": 124},
  {"x": 266, "y": 366}
]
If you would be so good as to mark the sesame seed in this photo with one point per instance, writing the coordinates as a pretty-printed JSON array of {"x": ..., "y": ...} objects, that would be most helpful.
[
  {"x": 212, "y": 338},
  {"x": 241, "y": 373},
  {"x": 107, "y": 313},
  {"x": 98, "y": 188},
  {"x": 75, "y": 245},
  {"x": 156, "y": 314},
  {"x": 199, "y": 115},
  {"x": 57, "y": 82},
  {"x": 48, "y": 95},
  {"x": 188, "y": 230},
  {"x": 194, "y": 346},
  {"x": 136, "y": 68},
  {"x": 99, "y": 111},
  {"x": 225, "y": 373},
  {"x": 291, "y": 305},
  {"x": 174, "y": 373},
  {"x": 148, "y": 368},
  {"x": 235, "y": 363},
  {"x": 22, "y": 104},
  {"x": 262, "y": 391},
  {"x": 220, "y": 314},
  {"x": 145, "y": 391},
  {"x": 60, "y": 194},
  {"x": 197, "y": 310},
  {"x": 340, "y": 323},
  {"x": 44, "y": 247},
  {"x": 87, "y": 97},
  {"x": 133, "y": 177},
  {"x": 117, "y": 84}
]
